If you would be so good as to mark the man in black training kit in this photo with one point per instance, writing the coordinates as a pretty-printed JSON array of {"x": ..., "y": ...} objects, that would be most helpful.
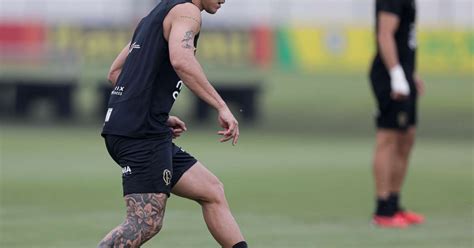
[
  {"x": 147, "y": 77},
  {"x": 396, "y": 88}
]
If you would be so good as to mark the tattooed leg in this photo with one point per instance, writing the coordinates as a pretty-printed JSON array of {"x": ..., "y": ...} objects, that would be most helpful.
[{"x": 144, "y": 220}]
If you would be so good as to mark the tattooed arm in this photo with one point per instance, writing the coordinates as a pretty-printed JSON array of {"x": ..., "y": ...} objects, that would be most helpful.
[
  {"x": 184, "y": 23},
  {"x": 180, "y": 26}
]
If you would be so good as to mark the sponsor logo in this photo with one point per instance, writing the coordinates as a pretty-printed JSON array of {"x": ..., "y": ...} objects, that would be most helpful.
[
  {"x": 167, "y": 177},
  {"x": 133, "y": 46},
  {"x": 126, "y": 171},
  {"x": 118, "y": 90}
]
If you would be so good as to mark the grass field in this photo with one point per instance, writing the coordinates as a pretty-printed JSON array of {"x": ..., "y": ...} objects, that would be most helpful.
[
  {"x": 331, "y": 102},
  {"x": 59, "y": 188},
  {"x": 299, "y": 178}
]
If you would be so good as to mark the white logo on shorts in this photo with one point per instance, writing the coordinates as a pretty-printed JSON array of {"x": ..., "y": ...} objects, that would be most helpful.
[{"x": 167, "y": 177}]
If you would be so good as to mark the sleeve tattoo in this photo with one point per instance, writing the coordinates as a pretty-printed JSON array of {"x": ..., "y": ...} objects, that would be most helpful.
[{"x": 144, "y": 219}]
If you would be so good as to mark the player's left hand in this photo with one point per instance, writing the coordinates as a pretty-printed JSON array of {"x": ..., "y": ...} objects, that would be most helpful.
[
  {"x": 420, "y": 85},
  {"x": 176, "y": 125}
]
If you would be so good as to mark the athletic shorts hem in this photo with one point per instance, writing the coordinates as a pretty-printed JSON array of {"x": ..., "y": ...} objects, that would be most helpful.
[
  {"x": 395, "y": 128},
  {"x": 147, "y": 192},
  {"x": 182, "y": 172}
]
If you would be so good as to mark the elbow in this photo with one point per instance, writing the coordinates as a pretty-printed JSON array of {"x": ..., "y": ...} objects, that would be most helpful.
[
  {"x": 382, "y": 37},
  {"x": 112, "y": 76},
  {"x": 181, "y": 63}
]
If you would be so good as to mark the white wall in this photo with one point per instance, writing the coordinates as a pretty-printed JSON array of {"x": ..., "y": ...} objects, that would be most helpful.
[
  {"x": 89, "y": 11},
  {"x": 449, "y": 13}
]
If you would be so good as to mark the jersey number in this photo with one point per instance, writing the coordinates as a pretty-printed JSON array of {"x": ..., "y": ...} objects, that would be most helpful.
[{"x": 179, "y": 85}]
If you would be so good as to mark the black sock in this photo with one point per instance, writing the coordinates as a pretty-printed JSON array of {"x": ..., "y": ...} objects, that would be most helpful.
[
  {"x": 242, "y": 244},
  {"x": 394, "y": 201},
  {"x": 384, "y": 208}
]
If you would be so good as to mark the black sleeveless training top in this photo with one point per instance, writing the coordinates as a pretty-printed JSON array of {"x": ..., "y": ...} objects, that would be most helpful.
[{"x": 148, "y": 85}]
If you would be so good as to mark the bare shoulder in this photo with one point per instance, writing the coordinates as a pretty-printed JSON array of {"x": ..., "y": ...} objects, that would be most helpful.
[{"x": 186, "y": 12}]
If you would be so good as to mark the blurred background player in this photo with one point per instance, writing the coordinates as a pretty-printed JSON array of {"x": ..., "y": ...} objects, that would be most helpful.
[
  {"x": 396, "y": 88},
  {"x": 147, "y": 77}
]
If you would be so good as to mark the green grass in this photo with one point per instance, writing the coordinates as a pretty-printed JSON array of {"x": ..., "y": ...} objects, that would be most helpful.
[
  {"x": 299, "y": 178},
  {"x": 59, "y": 188},
  {"x": 329, "y": 102}
]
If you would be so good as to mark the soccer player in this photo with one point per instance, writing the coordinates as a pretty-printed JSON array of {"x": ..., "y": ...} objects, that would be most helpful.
[
  {"x": 396, "y": 88},
  {"x": 147, "y": 77}
]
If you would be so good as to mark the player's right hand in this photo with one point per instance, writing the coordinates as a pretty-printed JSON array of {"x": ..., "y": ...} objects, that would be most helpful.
[
  {"x": 176, "y": 125},
  {"x": 231, "y": 126},
  {"x": 399, "y": 83}
]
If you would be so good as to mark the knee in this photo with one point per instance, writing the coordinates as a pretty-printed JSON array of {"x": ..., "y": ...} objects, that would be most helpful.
[
  {"x": 388, "y": 142},
  {"x": 214, "y": 194},
  {"x": 406, "y": 146},
  {"x": 150, "y": 226},
  {"x": 146, "y": 223},
  {"x": 155, "y": 228}
]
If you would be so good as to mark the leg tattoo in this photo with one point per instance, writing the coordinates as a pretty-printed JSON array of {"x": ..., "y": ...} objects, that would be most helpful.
[{"x": 144, "y": 220}]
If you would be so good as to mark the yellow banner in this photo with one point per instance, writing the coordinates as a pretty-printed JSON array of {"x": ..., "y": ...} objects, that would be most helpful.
[
  {"x": 354, "y": 48},
  {"x": 308, "y": 49}
]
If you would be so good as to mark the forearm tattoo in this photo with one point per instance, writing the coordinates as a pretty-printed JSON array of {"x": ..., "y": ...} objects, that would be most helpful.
[
  {"x": 144, "y": 219},
  {"x": 188, "y": 40}
]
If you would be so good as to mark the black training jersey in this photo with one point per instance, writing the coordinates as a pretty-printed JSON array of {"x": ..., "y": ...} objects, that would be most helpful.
[
  {"x": 405, "y": 36},
  {"x": 148, "y": 84}
]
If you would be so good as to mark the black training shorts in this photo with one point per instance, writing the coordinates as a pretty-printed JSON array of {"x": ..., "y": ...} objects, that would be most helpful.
[
  {"x": 149, "y": 165},
  {"x": 391, "y": 114}
]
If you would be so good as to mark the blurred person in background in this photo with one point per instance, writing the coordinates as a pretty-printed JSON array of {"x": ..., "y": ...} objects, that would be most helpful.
[
  {"x": 396, "y": 88},
  {"x": 147, "y": 77}
]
